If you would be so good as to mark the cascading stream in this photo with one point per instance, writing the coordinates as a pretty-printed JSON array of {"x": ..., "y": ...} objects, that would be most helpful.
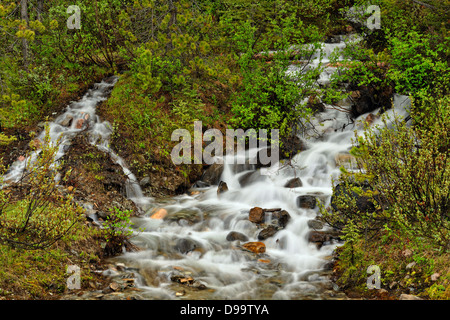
[
  {"x": 191, "y": 242},
  {"x": 80, "y": 116}
]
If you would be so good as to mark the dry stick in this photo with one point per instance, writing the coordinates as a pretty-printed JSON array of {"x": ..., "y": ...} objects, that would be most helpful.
[{"x": 424, "y": 4}]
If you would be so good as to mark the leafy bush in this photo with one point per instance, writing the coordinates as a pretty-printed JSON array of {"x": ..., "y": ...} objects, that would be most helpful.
[
  {"x": 408, "y": 171},
  {"x": 118, "y": 230},
  {"x": 33, "y": 215},
  {"x": 269, "y": 97}
]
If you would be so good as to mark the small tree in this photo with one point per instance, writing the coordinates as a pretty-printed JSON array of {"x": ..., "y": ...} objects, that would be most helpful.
[{"x": 33, "y": 215}]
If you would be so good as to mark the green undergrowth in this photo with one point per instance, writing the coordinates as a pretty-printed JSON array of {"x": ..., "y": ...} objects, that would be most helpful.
[
  {"x": 42, "y": 274},
  {"x": 143, "y": 125},
  {"x": 405, "y": 268}
]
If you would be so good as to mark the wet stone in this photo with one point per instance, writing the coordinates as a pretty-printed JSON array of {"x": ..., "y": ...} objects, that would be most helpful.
[
  {"x": 306, "y": 202},
  {"x": 267, "y": 232},
  {"x": 234, "y": 235}
]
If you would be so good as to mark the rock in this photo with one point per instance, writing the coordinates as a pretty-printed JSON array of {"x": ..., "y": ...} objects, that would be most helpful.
[
  {"x": 256, "y": 247},
  {"x": 383, "y": 291},
  {"x": 182, "y": 279},
  {"x": 145, "y": 182},
  {"x": 251, "y": 177},
  {"x": 222, "y": 187},
  {"x": 404, "y": 296},
  {"x": 410, "y": 265},
  {"x": 114, "y": 286},
  {"x": 315, "y": 224},
  {"x": 371, "y": 118},
  {"x": 264, "y": 260},
  {"x": 333, "y": 39},
  {"x": 234, "y": 235},
  {"x": 185, "y": 245},
  {"x": 406, "y": 253},
  {"x": 435, "y": 276},
  {"x": 322, "y": 237},
  {"x": 282, "y": 216},
  {"x": 200, "y": 184},
  {"x": 316, "y": 236},
  {"x": 393, "y": 284},
  {"x": 79, "y": 124},
  {"x": 267, "y": 232},
  {"x": 212, "y": 174},
  {"x": 159, "y": 214},
  {"x": 256, "y": 215},
  {"x": 315, "y": 104},
  {"x": 67, "y": 122},
  {"x": 306, "y": 202},
  {"x": 294, "y": 183}
]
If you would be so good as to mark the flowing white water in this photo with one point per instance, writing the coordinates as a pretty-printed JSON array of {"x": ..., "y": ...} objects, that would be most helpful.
[
  {"x": 80, "y": 116},
  {"x": 192, "y": 239},
  {"x": 295, "y": 267}
]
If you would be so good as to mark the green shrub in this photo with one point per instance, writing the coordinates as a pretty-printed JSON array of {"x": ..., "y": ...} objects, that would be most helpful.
[
  {"x": 408, "y": 170},
  {"x": 37, "y": 216}
]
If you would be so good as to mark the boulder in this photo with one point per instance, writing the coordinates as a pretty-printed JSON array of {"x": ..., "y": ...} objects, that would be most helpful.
[
  {"x": 159, "y": 214},
  {"x": 212, "y": 174},
  {"x": 234, "y": 235},
  {"x": 322, "y": 237},
  {"x": 282, "y": 217},
  {"x": 315, "y": 224},
  {"x": 371, "y": 118},
  {"x": 256, "y": 215},
  {"x": 306, "y": 202},
  {"x": 200, "y": 184},
  {"x": 256, "y": 247},
  {"x": 185, "y": 245},
  {"x": 79, "y": 124},
  {"x": 404, "y": 296},
  {"x": 294, "y": 183},
  {"x": 267, "y": 232},
  {"x": 67, "y": 121},
  {"x": 145, "y": 182},
  {"x": 291, "y": 146},
  {"x": 222, "y": 187},
  {"x": 251, "y": 177}
]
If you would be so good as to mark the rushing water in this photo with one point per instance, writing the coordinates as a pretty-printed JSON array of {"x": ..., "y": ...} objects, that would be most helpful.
[
  {"x": 191, "y": 241},
  {"x": 291, "y": 267}
]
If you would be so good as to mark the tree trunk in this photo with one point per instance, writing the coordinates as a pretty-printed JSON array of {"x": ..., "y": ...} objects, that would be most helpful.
[
  {"x": 24, "y": 16},
  {"x": 40, "y": 9}
]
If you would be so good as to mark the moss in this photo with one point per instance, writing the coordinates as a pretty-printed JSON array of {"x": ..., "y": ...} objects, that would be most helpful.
[
  {"x": 405, "y": 268},
  {"x": 143, "y": 129},
  {"x": 41, "y": 274}
]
